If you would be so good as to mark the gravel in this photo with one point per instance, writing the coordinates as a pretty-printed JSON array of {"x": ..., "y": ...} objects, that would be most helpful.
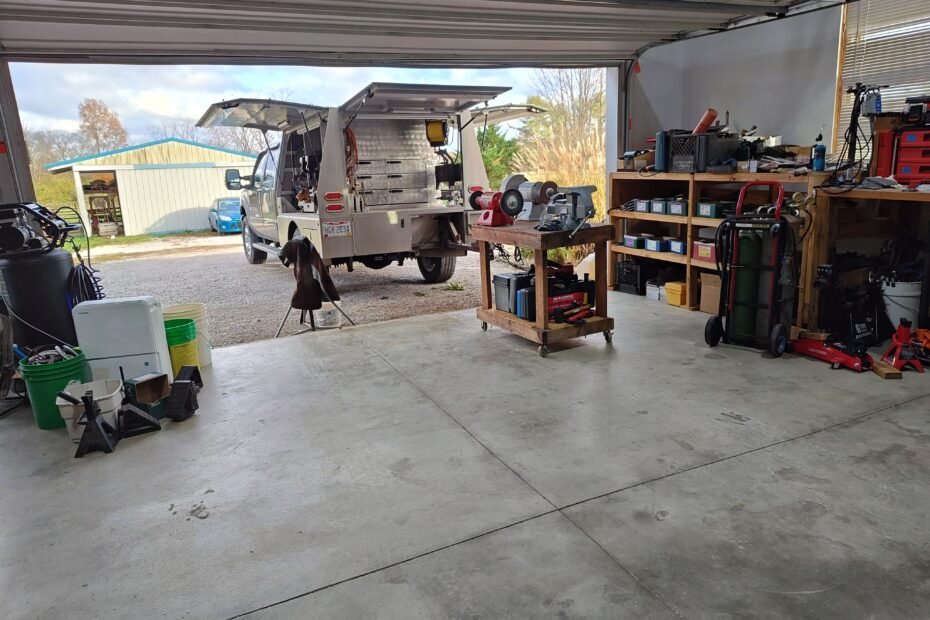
[{"x": 246, "y": 302}]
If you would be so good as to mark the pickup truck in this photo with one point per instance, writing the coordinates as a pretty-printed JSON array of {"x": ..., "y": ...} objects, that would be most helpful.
[{"x": 370, "y": 181}]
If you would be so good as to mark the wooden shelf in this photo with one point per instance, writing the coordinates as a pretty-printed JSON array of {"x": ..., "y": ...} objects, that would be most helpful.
[
  {"x": 628, "y": 185},
  {"x": 651, "y": 176},
  {"x": 651, "y": 217},
  {"x": 748, "y": 177},
  {"x": 706, "y": 221},
  {"x": 668, "y": 257},
  {"x": 703, "y": 264}
]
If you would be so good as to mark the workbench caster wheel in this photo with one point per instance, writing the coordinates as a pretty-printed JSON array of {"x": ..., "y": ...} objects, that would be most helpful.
[
  {"x": 484, "y": 326},
  {"x": 609, "y": 337},
  {"x": 543, "y": 351}
]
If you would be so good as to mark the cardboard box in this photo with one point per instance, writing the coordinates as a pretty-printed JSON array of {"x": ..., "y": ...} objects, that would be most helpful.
[
  {"x": 710, "y": 293},
  {"x": 702, "y": 250}
]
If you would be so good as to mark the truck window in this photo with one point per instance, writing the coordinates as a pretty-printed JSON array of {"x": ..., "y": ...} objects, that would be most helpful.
[{"x": 265, "y": 170}]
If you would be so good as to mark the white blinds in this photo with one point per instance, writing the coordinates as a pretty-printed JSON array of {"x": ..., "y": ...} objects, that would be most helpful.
[{"x": 887, "y": 42}]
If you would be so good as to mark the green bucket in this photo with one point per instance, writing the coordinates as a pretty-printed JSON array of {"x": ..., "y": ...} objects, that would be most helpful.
[
  {"x": 44, "y": 381},
  {"x": 180, "y": 331}
]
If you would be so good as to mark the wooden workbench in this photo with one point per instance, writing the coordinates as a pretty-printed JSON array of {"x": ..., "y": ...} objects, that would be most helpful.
[
  {"x": 542, "y": 331},
  {"x": 826, "y": 229}
]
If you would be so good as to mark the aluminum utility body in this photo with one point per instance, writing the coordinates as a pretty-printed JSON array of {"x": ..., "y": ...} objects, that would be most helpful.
[{"x": 369, "y": 181}]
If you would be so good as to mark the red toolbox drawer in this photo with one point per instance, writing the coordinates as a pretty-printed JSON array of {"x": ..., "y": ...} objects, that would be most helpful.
[
  {"x": 915, "y": 137},
  {"x": 912, "y": 171},
  {"x": 914, "y": 154}
]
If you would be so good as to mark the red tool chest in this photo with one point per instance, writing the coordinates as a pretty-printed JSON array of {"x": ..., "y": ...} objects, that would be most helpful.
[{"x": 913, "y": 160}]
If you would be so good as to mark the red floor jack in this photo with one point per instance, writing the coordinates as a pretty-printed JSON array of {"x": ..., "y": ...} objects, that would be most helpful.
[
  {"x": 836, "y": 354},
  {"x": 499, "y": 208},
  {"x": 902, "y": 352}
]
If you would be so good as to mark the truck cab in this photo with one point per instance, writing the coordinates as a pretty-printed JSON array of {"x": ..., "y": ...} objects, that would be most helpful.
[{"x": 371, "y": 181}]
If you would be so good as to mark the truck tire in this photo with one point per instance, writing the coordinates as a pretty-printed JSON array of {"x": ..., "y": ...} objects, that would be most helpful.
[
  {"x": 252, "y": 254},
  {"x": 436, "y": 268}
]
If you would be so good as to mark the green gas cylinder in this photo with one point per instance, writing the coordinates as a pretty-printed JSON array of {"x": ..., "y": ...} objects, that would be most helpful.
[{"x": 743, "y": 325}]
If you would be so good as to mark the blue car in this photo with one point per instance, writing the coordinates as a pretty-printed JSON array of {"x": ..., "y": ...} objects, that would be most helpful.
[{"x": 225, "y": 215}]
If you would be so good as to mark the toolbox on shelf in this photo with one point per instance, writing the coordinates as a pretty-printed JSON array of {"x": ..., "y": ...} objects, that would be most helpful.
[
  {"x": 642, "y": 206},
  {"x": 634, "y": 241},
  {"x": 658, "y": 205},
  {"x": 657, "y": 244},
  {"x": 714, "y": 209},
  {"x": 678, "y": 206},
  {"x": 704, "y": 251},
  {"x": 677, "y": 246},
  {"x": 502, "y": 291}
]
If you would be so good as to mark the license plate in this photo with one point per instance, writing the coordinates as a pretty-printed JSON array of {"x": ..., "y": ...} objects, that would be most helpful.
[{"x": 337, "y": 229}]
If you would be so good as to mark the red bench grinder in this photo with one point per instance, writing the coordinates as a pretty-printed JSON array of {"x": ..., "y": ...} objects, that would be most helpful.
[{"x": 499, "y": 208}]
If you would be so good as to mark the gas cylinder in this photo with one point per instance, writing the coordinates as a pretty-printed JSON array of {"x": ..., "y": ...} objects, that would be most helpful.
[{"x": 747, "y": 286}]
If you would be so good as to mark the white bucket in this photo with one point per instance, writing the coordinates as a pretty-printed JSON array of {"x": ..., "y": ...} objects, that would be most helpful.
[
  {"x": 902, "y": 301},
  {"x": 327, "y": 317},
  {"x": 197, "y": 312}
]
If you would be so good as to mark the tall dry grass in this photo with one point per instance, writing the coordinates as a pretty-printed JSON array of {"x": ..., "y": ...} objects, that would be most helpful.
[{"x": 567, "y": 144}]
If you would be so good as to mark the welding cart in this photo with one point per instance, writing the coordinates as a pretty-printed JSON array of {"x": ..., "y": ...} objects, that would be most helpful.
[{"x": 755, "y": 254}]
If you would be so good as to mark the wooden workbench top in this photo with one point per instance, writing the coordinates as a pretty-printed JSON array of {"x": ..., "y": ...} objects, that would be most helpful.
[
  {"x": 522, "y": 234},
  {"x": 876, "y": 194}
]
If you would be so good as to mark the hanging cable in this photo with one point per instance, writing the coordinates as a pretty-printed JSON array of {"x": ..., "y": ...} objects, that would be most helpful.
[{"x": 83, "y": 281}]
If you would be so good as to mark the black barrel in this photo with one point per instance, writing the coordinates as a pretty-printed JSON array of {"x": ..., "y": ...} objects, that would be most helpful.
[{"x": 37, "y": 288}]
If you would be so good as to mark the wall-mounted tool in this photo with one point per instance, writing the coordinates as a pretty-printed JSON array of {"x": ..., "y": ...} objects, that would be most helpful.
[{"x": 499, "y": 208}]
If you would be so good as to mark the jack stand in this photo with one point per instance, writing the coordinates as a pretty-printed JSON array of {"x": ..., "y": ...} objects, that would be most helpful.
[
  {"x": 132, "y": 421},
  {"x": 182, "y": 402},
  {"x": 98, "y": 435},
  {"x": 902, "y": 353}
]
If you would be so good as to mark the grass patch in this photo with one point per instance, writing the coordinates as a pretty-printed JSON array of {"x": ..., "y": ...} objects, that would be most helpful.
[
  {"x": 99, "y": 242},
  {"x": 455, "y": 286}
]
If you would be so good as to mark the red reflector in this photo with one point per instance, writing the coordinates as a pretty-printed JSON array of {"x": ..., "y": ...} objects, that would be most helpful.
[
  {"x": 333, "y": 195},
  {"x": 475, "y": 188},
  {"x": 334, "y": 208},
  {"x": 2, "y": 148}
]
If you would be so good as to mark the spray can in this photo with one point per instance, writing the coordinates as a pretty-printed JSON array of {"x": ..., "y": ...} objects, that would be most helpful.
[{"x": 819, "y": 155}]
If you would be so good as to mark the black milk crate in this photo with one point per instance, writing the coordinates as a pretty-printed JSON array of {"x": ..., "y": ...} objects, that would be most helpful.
[
  {"x": 631, "y": 276},
  {"x": 689, "y": 152}
]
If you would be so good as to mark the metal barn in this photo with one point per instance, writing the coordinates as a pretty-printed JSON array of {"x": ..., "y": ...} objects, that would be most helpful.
[{"x": 156, "y": 187}]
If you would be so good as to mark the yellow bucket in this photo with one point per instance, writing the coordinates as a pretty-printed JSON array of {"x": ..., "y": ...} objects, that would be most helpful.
[
  {"x": 187, "y": 354},
  {"x": 197, "y": 312}
]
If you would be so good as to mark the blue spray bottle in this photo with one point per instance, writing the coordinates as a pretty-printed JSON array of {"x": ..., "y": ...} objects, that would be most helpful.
[{"x": 819, "y": 154}]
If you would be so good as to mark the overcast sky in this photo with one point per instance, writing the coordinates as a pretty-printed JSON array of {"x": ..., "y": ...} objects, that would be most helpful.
[{"x": 48, "y": 94}]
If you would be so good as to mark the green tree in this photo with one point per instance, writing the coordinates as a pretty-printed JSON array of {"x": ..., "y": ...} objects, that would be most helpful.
[{"x": 498, "y": 152}]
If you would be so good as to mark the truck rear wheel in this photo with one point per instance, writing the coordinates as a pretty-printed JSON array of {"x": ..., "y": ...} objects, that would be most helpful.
[
  {"x": 436, "y": 268},
  {"x": 252, "y": 254}
]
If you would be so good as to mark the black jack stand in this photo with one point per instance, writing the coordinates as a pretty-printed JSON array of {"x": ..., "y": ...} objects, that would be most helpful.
[
  {"x": 132, "y": 421},
  {"x": 99, "y": 435},
  {"x": 182, "y": 402}
]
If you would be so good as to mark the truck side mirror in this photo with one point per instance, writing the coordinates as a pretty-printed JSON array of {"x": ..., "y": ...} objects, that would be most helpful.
[{"x": 233, "y": 180}]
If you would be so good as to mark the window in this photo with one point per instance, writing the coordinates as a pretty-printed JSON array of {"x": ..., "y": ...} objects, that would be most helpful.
[{"x": 887, "y": 42}]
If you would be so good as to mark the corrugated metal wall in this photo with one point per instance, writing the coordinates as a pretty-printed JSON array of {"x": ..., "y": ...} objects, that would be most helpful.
[{"x": 159, "y": 200}]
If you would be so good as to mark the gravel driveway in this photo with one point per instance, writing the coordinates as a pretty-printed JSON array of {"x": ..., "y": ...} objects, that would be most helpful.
[{"x": 246, "y": 302}]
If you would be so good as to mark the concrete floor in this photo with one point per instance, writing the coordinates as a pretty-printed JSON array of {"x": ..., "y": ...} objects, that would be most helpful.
[{"x": 422, "y": 468}]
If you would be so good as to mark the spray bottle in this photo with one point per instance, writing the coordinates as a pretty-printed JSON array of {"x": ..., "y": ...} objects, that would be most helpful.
[{"x": 819, "y": 154}]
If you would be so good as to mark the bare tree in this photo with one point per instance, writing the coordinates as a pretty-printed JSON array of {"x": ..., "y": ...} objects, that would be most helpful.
[{"x": 100, "y": 126}]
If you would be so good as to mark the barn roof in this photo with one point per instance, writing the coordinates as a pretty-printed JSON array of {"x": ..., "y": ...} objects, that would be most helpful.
[{"x": 117, "y": 156}]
